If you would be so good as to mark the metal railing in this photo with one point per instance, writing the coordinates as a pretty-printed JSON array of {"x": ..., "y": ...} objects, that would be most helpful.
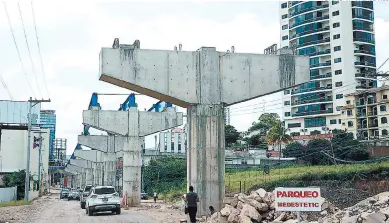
[
  {"x": 296, "y": 12},
  {"x": 365, "y": 63},
  {"x": 309, "y": 20},
  {"x": 364, "y": 40},
  {"x": 297, "y": 114},
  {"x": 365, "y": 52},
  {"x": 321, "y": 76},
  {"x": 329, "y": 99},
  {"x": 327, "y": 39},
  {"x": 310, "y": 89}
]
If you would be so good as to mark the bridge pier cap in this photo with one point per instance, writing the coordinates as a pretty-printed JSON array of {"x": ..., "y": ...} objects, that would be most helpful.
[
  {"x": 204, "y": 81},
  {"x": 205, "y": 76}
]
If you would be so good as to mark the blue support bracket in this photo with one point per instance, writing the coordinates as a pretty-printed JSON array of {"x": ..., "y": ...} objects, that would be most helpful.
[{"x": 128, "y": 103}]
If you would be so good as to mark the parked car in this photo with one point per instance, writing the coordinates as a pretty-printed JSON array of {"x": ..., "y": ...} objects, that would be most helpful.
[
  {"x": 74, "y": 195},
  {"x": 103, "y": 198},
  {"x": 64, "y": 193},
  {"x": 84, "y": 195},
  {"x": 143, "y": 196}
]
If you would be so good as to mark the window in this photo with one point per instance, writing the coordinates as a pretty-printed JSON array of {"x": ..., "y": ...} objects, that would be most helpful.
[
  {"x": 294, "y": 125},
  {"x": 348, "y": 102},
  {"x": 335, "y": 13},
  {"x": 337, "y": 60},
  {"x": 349, "y": 112},
  {"x": 314, "y": 122},
  {"x": 285, "y": 37},
  {"x": 287, "y": 92},
  {"x": 384, "y": 96},
  {"x": 335, "y": 2},
  {"x": 336, "y": 25},
  {"x": 384, "y": 132},
  {"x": 284, "y": 5},
  {"x": 104, "y": 190},
  {"x": 339, "y": 121},
  {"x": 384, "y": 120},
  {"x": 339, "y": 96},
  {"x": 287, "y": 114},
  {"x": 337, "y": 48},
  {"x": 337, "y": 36},
  {"x": 286, "y": 102},
  {"x": 333, "y": 121},
  {"x": 337, "y": 72},
  {"x": 294, "y": 134},
  {"x": 382, "y": 108},
  {"x": 338, "y": 84},
  {"x": 350, "y": 124},
  {"x": 284, "y": 27},
  {"x": 285, "y": 16}
]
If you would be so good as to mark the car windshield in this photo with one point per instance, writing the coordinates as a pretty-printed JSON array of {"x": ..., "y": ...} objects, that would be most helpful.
[
  {"x": 87, "y": 188},
  {"x": 105, "y": 190}
]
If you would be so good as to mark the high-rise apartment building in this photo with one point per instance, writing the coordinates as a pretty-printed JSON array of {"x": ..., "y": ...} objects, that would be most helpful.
[
  {"x": 339, "y": 38},
  {"x": 48, "y": 121}
]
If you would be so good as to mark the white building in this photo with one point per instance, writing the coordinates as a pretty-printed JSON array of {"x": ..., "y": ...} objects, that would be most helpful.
[
  {"x": 339, "y": 37},
  {"x": 13, "y": 151}
]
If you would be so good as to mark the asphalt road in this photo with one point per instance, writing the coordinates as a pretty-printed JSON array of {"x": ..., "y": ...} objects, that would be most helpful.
[{"x": 52, "y": 209}]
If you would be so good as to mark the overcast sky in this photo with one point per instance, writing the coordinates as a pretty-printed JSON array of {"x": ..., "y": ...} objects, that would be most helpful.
[{"x": 71, "y": 34}]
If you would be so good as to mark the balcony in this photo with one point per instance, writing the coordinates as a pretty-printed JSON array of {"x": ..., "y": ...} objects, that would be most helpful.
[
  {"x": 367, "y": 17},
  {"x": 316, "y": 19},
  {"x": 310, "y": 31},
  {"x": 363, "y": 4},
  {"x": 358, "y": 104},
  {"x": 328, "y": 63},
  {"x": 298, "y": 114},
  {"x": 371, "y": 101},
  {"x": 364, "y": 75},
  {"x": 369, "y": 29},
  {"x": 361, "y": 126},
  {"x": 362, "y": 86},
  {"x": 364, "y": 63},
  {"x": 327, "y": 75},
  {"x": 361, "y": 114},
  {"x": 327, "y": 51},
  {"x": 308, "y": 9},
  {"x": 310, "y": 89},
  {"x": 372, "y": 114},
  {"x": 365, "y": 40},
  {"x": 293, "y": 3},
  {"x": 327, "y": 39},
  {"x": 365, "y": 52},
  {"x": 328, "y": 99},
  {"x": 373, "y": 125}
]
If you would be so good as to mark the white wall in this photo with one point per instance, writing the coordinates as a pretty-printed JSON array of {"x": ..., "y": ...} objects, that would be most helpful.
[{"x": 13, "y": 151}]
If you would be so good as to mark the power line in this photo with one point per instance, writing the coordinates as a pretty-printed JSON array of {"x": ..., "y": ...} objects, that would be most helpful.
[
  {"x": 6, "y": 87},
  {"x": 29, "y": 52},
  {"x": 39, "y": 50},
  {"x": 17, "y": 49}
]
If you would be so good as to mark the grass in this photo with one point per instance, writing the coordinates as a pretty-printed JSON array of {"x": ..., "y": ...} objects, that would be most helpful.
[
  {"x": 247, "y": 179},
  {"x": 173, "y": 195},
  {"x": 14, "y": 203}
]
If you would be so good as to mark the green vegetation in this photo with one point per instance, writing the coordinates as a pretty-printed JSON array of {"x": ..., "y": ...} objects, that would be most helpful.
[
  {"x": 231, "y": 135},
  {"x": 281, "y": 177},
  {"x": 16, "y": 179},
  {"x": 164, "y": 175},
  {"x": 14, "y": 203}
]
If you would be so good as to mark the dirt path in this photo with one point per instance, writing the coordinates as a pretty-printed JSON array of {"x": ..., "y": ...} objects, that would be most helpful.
[{"x": 52, "y": 209}]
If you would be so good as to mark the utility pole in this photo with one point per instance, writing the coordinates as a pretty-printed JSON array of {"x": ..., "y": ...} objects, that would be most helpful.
[
  {"x": 40, "y": 139},
  {"x": 31, "y": 104}
]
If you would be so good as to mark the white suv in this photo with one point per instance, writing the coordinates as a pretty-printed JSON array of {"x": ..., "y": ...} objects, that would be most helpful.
[{"x": 103, "y": 198}]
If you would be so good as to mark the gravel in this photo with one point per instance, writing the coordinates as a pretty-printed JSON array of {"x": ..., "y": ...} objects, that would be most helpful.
[{"x": 51, "y": 209}]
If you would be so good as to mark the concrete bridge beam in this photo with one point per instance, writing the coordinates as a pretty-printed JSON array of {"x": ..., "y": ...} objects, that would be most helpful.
[{"x": 212, "y": 80}]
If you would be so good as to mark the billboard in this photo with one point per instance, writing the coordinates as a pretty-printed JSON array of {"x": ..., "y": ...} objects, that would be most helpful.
[{"x": 15, "y": 112}]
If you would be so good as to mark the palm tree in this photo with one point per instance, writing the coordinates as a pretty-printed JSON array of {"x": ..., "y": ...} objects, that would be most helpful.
[{"x": 277, "y": 135}]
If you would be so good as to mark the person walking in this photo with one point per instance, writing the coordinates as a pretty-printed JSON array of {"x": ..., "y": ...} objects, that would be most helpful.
[
  {"x": 191, "y": 199},
  {"x": 155, "y": 197}
]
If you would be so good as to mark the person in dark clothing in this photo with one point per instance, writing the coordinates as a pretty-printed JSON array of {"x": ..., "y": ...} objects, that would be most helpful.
[
  {"x": 192, "y": 198},
  {"x": 212, "y": 210}
]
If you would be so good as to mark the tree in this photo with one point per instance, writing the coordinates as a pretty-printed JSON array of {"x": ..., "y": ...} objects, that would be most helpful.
[
  {"x": 277, "y": 135},
  {"x": 231, "y": 134},
  {"x": 164, "y": 173},
  {"x": 265, "y": 122},
  {"x": 294, "y": 149},
  {"x": 16, "y": 179},
  {"x": 347, "y": 148},
  {"x": 314, "y": 153},
  {"x": 257, "y": 141}
]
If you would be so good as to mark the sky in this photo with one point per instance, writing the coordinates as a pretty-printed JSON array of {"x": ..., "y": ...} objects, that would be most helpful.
[{"x": 71, "y": 34}]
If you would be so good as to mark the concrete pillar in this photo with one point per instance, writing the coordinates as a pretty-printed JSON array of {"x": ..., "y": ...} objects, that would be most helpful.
[
  {"x": 129, "y": 128},
  {"x": 87, "y": 167},
  {"x": 212, "y": 80}
]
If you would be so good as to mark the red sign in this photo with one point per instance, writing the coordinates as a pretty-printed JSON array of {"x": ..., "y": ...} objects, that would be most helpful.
[{"x": 308, "y": 137}]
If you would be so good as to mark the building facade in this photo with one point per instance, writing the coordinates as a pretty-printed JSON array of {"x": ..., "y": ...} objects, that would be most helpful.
[
  {"x": 60, "y": 146},
  {"x": 366, "y": 115},
  {"x": 339, "y": 38},
  {"x": 48, "y": 120}
]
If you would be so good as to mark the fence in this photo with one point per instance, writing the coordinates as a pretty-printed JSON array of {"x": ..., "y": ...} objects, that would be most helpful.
[{"x": 8, "y": 194}]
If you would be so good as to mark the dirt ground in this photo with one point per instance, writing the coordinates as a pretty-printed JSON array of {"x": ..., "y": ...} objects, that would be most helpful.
[{"x": 52, "y": 209}]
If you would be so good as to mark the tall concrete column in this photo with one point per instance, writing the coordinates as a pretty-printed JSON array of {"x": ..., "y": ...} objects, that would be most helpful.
[
  {"x": 129, "y": 128},
  {"x": 212, "y": 80},
  {"x": 87, "y": 167}
]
